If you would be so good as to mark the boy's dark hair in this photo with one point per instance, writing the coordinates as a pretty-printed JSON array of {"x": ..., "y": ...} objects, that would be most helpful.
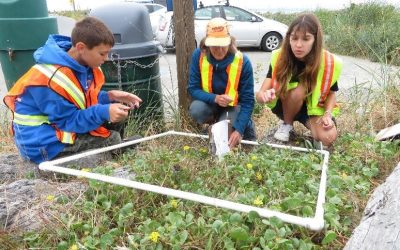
[{"x": 92, "y": 32}]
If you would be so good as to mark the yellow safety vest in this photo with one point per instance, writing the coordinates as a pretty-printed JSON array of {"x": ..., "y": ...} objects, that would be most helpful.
[
  {"x": 233, "y": 70},
  {"x": 328, "y": 74}
]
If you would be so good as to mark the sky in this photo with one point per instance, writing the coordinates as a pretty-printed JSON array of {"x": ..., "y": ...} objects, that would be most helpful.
[{"x": 262, "y": 5}]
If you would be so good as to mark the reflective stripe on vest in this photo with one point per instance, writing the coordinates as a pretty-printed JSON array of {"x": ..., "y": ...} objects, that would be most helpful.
[
  {"x": 30, "y": 120},
  {"x": 327, "y": 77},
  {"x": 206, "y": 74},
  {"x": 63, "y": 81},
  {"x": 67, "y": 137},
  {"x": 328, "y": 74},
  {"x": 37, "y": 120},
  {"x": 234, "y": 71}
]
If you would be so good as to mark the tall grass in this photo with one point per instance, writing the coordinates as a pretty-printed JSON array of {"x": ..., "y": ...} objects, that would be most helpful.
[{"x": 369, "y": 30}]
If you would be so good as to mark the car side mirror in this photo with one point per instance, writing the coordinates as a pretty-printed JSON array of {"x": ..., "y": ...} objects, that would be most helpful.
[{"x": 253, "y": 19}]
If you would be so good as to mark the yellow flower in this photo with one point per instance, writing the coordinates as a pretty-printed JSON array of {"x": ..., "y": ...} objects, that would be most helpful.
[
  {"x": 203, "y": 150},
  {"x": 87, "y": 170},
  {"x": 73, "y": 247},
  {"x": 50, "y": 197},
  {"x": 249, "y": 166},
  {"x": 186, "y": 148},
  {"x": 344, "y": 175},
  {"x": 254, "y": 158},
  {"x": 259, "y": 176},
  {"x": 174, "y": 203},
  {"x": 154, "y": 236},
  {"x": 258, "y": 201}
]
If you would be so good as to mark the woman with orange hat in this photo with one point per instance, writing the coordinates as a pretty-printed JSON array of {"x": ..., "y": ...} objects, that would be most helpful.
[{"x": 221, "y": 83}]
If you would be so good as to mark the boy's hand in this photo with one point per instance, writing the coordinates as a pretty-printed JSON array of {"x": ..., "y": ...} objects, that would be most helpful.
[
  {"x": 129, "y": 99},
  {"x": 118, "y": 112},
  {"x": 265, "y": 96}
]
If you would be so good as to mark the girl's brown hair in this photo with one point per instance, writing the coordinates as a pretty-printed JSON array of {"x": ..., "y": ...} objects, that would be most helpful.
[{"x": 286, "y": 61}]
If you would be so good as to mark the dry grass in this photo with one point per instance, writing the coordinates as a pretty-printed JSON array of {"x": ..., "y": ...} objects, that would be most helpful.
[{"x": 6, "y": 139}]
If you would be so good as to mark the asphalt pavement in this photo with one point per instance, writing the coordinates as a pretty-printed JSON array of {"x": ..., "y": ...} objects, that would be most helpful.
[{"x": 355, "y": 71}]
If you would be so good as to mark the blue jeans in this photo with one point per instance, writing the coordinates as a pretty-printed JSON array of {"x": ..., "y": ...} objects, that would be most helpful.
[{"x": 204, "y": 113}]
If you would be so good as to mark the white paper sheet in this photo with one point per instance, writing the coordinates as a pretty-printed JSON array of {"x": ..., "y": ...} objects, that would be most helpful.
[{"x": 220, "y": 135}]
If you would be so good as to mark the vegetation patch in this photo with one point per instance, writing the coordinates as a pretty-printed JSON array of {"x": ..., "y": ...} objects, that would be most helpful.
[{"x": 109, "y": 215}]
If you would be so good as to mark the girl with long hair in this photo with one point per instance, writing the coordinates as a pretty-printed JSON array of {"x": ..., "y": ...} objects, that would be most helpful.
[{"x": 301, "y": 83}]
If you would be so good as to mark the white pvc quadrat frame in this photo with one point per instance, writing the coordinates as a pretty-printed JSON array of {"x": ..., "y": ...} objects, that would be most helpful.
[{"x": 315, "y": 223}]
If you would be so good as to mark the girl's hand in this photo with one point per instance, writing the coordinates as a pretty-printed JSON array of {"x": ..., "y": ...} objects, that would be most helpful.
[
  {"x": 265, "y": 96},
  {"x": 326, "y": 120}
]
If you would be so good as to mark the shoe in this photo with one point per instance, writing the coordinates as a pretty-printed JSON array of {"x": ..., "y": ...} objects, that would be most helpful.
[{"x": 283, "y": 132}]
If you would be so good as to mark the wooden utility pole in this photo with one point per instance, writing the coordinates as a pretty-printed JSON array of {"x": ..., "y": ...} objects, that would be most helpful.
[
  {"x": 184, "y": 45},
  {"x": 73, "y": 4}
]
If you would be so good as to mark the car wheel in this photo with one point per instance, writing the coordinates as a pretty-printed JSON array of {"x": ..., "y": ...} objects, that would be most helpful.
[{"x": 271, "y": 41}]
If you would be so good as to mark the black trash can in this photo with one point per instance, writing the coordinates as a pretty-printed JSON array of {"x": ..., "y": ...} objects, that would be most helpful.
[{"x": 133, "y": 64}]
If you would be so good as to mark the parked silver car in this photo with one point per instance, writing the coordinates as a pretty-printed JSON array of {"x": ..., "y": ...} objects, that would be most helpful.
[
  {"x": 155, "y": 13},
  {"x": 249, "y": 29}
]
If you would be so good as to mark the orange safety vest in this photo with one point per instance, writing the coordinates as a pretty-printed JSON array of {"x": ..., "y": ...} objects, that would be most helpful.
[
  {"x": 233, "y": 70},
  {"x": 63, "y": 81},
  {"x": 328, "y": 74}
]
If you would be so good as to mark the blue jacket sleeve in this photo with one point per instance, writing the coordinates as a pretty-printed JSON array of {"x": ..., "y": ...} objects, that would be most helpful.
[
  {"x": 65, "y": 115},
  {"x": 246, "y": 96},
  {"x": 194, "y": 86},
  {"x": 103, "y": 97}
]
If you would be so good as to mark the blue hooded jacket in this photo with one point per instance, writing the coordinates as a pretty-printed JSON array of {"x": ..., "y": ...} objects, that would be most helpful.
[
  {"x": 219, "y": 82},
  {"x": 39, "y": 143}
]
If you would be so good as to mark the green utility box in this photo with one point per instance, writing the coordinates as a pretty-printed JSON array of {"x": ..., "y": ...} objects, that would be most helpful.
[
  {"x": 24, "y": 27},
  {"x": 133, "y": 61}
]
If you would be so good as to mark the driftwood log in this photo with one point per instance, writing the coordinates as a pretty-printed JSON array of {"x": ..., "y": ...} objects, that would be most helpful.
[{"x": 380, "y": 225}]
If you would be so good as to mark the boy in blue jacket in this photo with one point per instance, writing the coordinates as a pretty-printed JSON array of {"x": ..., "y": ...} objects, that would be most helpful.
[
  {"x": 58, "y": 106},
  {"x": 221, "y": 83}
]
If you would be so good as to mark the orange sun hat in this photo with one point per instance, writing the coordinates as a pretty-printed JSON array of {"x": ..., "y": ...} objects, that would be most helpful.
[{"x": 218, "y": 33}]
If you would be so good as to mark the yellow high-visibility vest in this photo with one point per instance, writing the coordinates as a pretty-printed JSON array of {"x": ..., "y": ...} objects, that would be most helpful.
[
  {"x": 233, "y": 70},
  {"x": 328, "y": 74}
]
